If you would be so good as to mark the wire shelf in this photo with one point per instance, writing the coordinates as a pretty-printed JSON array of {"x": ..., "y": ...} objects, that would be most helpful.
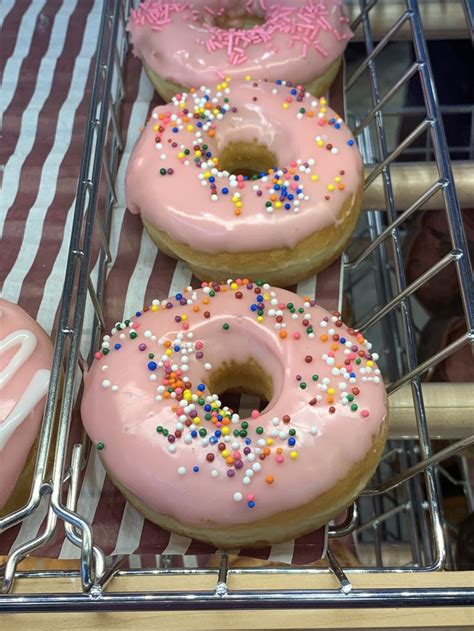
[{"x": 403, "y": 508}]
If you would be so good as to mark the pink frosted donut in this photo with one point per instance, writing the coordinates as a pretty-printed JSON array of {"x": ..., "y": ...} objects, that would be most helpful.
[
  {"x": 25, "y": 363},
  {"x": 189, "y": 44},
  {"x": 151, "y": 406},
  {"x": 190, "y": 177}
]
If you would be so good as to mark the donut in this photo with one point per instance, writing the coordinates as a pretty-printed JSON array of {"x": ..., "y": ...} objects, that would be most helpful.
[
  {"x": 188, "y": 44},
  {"x": 25, "y": 363},
  {"x": 256, "y": 179},
  {"x": 188, "y": 462}
]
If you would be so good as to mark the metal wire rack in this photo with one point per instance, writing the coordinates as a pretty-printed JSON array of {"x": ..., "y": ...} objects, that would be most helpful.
[{"x": 403, "y": 504}]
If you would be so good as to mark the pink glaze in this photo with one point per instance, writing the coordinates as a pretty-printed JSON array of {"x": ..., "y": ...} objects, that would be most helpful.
[
  {"x": 25, "y": 362},
  {"x": 123, "y": 404},
  {"x": 319, "y": 165},
  {"x": 181, "y": 43}
]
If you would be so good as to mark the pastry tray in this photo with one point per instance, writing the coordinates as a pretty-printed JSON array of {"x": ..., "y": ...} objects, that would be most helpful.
[{"x": 397, "y": 525}]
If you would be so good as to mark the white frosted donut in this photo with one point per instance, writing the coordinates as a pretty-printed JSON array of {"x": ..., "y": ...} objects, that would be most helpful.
[
  {"x": 189, "y": 44},
  {"x": 25, "y": 364},
  {"x": 250, "y": 179},
  {"x": 151, "y": 406}
]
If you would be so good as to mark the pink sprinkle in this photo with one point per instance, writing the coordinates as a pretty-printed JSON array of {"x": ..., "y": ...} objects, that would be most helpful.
[
  {"x": 98, "y": 355},
  {"x": 282, "y": 305},
  {"x": 255, "y": 413},
  {"x": 236, "y": 455},
  {"x": 249, "y": 497},
  {"x": 296, "y": 336},
  {"x": 135, "y": 325},
  {"x": 185, "y": 326},
  {"x": 364, "y": 413},
  {"x": 199, "y": 345},
  {"x": 279, "y": 459}
]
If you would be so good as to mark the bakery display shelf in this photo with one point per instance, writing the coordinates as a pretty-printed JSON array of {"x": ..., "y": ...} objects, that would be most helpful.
[{"x": 398, "y": 526}]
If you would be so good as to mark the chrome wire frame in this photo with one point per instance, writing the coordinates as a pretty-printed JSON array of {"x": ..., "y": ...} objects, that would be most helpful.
[{"x": 420, "y": 500}]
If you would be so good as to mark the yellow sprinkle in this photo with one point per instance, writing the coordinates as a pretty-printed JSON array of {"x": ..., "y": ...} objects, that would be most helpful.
[
  {"x": 277, "y": 204},
  {"x": 270, "y": 441},
  {"x": 331, "y": 391},
  {"x": 238, "y": 204},
  {"x": 169, "y": 352},
  {"x": 190, "y": 127},
  {"x": 234, "y": 286},
  {"x": 315, "y": 178},
  {"x": 322, "y": 100},
  {"x": 337, "y": 179},
  {"x": 207, "y": 174},
  {"x": 180, "y": 155},
  {"x": 331, "y": 187},
  {"x": 370, "y": 363},
  {"x": 320, "y": 143},
  {"x": 154, "y": 307},
  {"x": 266, "y": 296},
  {"x": 323, "y": 110},
  {"x": 294, "y": 454},
  {"x": 184, "y": 317},
  {"x": 248, "y": 78},
  {"x": 188, "y": 395},
  {"x": 182, "y": 105},
  {"x": 198, "y": 153},
  {"x": 224, "y": 85},
  {"x": 285, "y": 106},
  {"x": 259, "y": 318},
  {"x": 156, "y": 127},
  {"x": 224, "y": 453},
  {"x": 225, "y": 431}
]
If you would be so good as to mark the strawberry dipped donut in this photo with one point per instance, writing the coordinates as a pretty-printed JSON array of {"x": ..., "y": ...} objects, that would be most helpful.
[
  {"x": 25, "y": 363},
  {"x": 254, "y": 179},
  {"x": 186, "y": 45},
  {"x": 152, "y": 407}
]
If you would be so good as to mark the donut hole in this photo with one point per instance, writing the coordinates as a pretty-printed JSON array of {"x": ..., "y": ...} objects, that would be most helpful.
[
  {"x": 247, "y": 159},
  {"x": 233, "y": 381},
  {"x": 241, "y": 22}
]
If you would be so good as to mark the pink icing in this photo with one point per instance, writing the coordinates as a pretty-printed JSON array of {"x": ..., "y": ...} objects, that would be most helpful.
[
  {"x": 319, "y": 167},
  {"x": 25, "y": 362},
  {"x": 181, "y": 43},
  {"x": 124, "y": 403}
]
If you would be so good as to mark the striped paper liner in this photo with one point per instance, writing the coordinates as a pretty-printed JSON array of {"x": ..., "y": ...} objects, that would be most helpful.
[{"x": 47, "y": 60}]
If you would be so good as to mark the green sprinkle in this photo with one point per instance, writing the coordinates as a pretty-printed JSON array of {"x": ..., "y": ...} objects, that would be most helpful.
[
  {"x": 259, "y": 283},
  {"x": 201, "y": 401},
  {"x": 202, "y": 432},
  {"x": 162, "y": 171},
  {"x": 207, "y": 417},
  {"x": 151, "y": 355},
  {"x": 290, "y": 305},
  {"x": 292, "y": 432},
  {"x": 315, "y": 377},
  {"x": 354, "y": 407},
  {"x": 303, "y": 385},
  {"x": 244, "y": 425},
  {"x": 212, "y": 293},
  {"x": 350, "y": 397},
  {"x": 243, "y": 433},
  {"x": 106, "y": 351},
  {"x": 259, "y": 430},
  {"x": 159, "y": 429},
  {"x": 165, "y": 432},
  {"x": 133, "y": 335},
  {"x": 100, "y": 446},
  {"x": 226, "y": 326},
  {"x": 236, "y": 432},
  {"x": 127, "y": 322},
  {"x": 358, "y": 360}
]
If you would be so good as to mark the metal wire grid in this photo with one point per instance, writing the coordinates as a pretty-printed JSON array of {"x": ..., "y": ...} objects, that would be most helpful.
[{"x": 403, "y": 491}]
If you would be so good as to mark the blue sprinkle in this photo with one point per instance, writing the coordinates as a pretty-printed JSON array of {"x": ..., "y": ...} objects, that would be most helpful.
[
  {"x": 248, "y": 441},
  {"x": 296, "y": 177},
  {"x": 352, "y": 374},
  {"x": 138, "y": 313},
  {"x": 176, "y": 348},
  {"x": 350, "y": 143},
  {"x": 212, "y": 179},
  {"x": 259, "y": 298},
  {"x": 208, "y": 154},
  {"x": 293, "y": 91},
  {"x": 251, "y": 504},
  {"x": 213, "y": 440},
  {"x": 225, "y": 191},
  {"x": 291, "y": 196},
  {"x": 218, "y": 433},
  {"x": 175, "y": 130},
  {"x": 194, "y": 433},
  {"x": 195, "y": 469},
  {"x": 342, "y": 340},
  {"x": 261, "y": 174},
  {"x": 178, "y": 296},
  {"x": 332, "y": 121},
  {"x": 152, "y": 365},
  {"x": 298, "y": 191},
  {"x": 278, "y": 82},
  {"x": 219, "y": 417},
  {"x": 253, "y": 307},
  {"x": 199, "y": 124},
  {"x": 117, "y": 346},
  {"x": 277, "y": 187},
  {"x": 201, "y": 387},
  {"x": 337, "y": 125},
  {"x": 207, "y": 407},
  {"x": 291, "y": 442},
  {"x": 287, "y": 206}
]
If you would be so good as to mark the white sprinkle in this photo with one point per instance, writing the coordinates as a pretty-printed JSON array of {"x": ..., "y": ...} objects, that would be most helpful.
[
  {"x": 172, "y": 448},
  {"x": 314, "y": 430},
  {"x": 214, "y": 473},
  {"x": 238, "y": 497},
  {"x": 207, "y": 366},
  {"x": 182, "y": 470},
  {"x": 106, "y": 383}
]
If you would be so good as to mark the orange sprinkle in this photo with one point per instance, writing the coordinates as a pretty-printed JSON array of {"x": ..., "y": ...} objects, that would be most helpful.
[
  {"x": 237, "y": 212},
  {"x": 279, "y": 450},
  {"x": 334, "y": 347},
  {"x": 341, "y": 187},
  {"x": 196, "y": 308},
  {"x": 211, "y": 133},
  {"x": 330, "y": 399},
  {"x": 324, "y": 338},
  {"x": 283, "y": 334},
  {"x": 167, "y": 343},
  {"x": 267, "y": 451},
  {"x": 206, "y": 301},
  {"x": 166, "y": 394},
  {"x": 269, "y": 479}
]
